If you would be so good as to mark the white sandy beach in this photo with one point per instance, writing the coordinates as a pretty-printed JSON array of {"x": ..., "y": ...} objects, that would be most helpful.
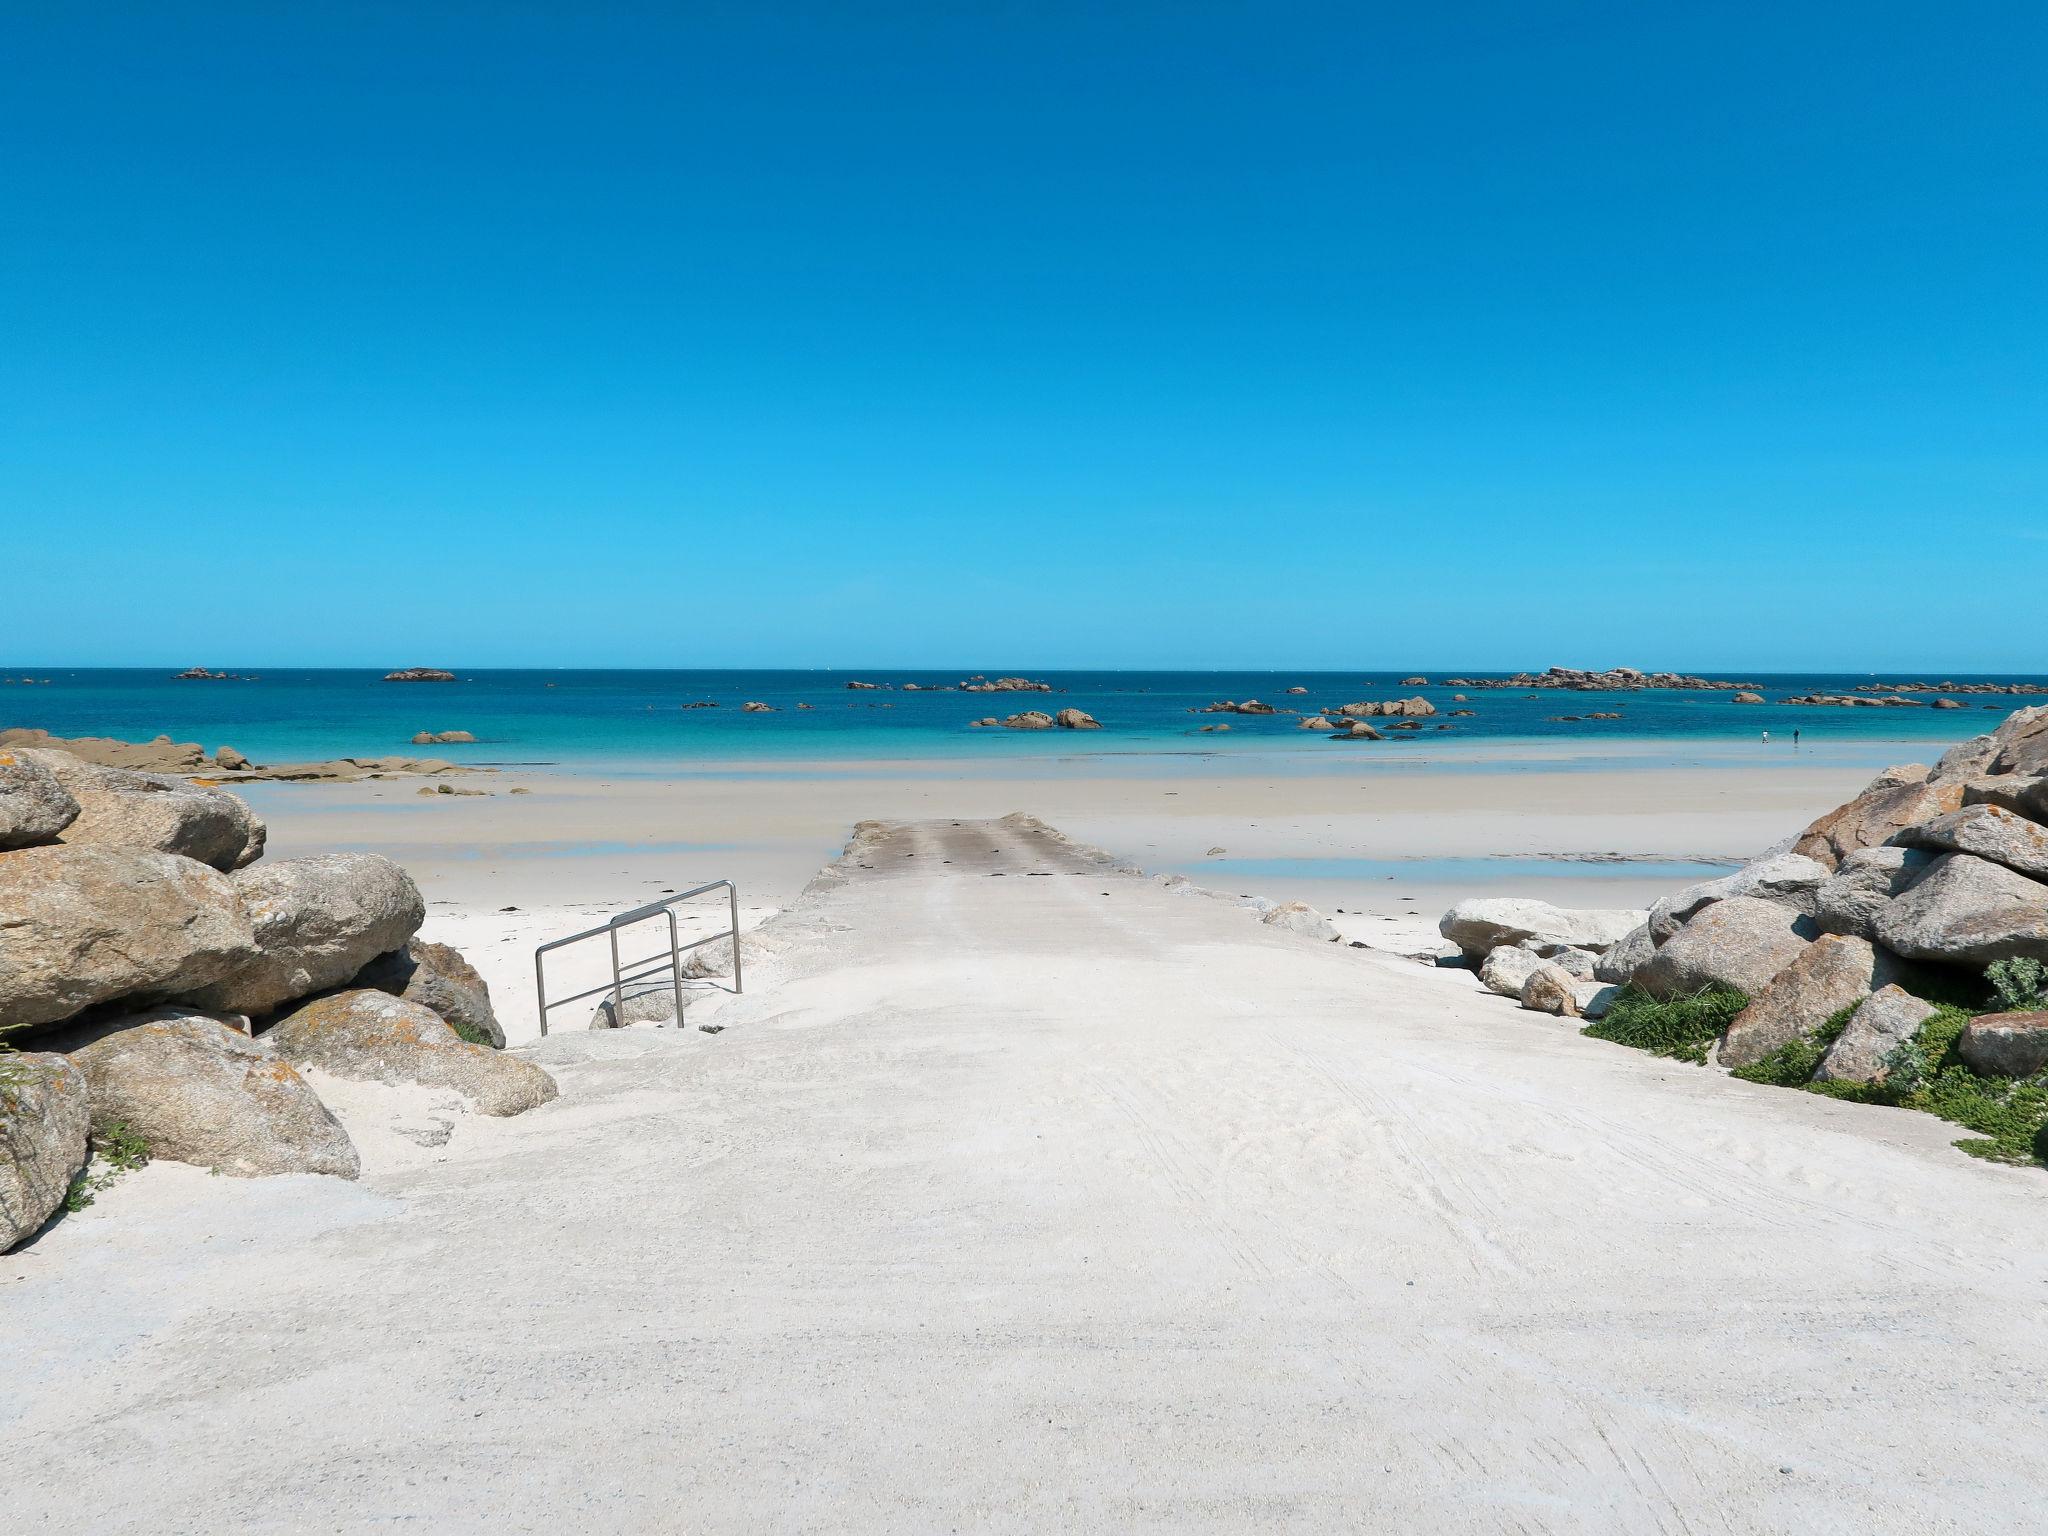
[
  {"x": 770, "y": 829},
  {"x": 1020, "y": 1194}
]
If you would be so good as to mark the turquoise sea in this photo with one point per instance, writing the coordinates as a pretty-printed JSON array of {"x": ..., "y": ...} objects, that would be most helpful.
[{"x": 636, "y": 721}]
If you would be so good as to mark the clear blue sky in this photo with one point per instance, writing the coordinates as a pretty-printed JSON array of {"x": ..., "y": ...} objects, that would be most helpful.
[{"x": 1026, "y": 334}]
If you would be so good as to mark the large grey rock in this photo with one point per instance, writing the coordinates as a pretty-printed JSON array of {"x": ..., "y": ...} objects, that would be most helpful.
[
  {"x": 1990, "y": 832},
  {"x": 1551, "y": 989},
  {"x": 371, "y": 1036},
  {"x": 1626, "y": 956},
  {"x": 1740, "y": 943},
  {"x": 1791, "y": 879},
  {"x": 1882, "y": 1022},
  {"x": 44, "y": 1117},
  {"x": 1964, "y": 910},
  {"x": 197, "y": 1090},
  {"x": 1299, "y": 917},
  {"x": 1481, "y": 924},
  {"x": 2005, "y": 1044},
  {"x": 436, "y": 976},
  {"x": 1577, "y": 963},
  {"x": 80, "y": 926},
  {"x": 1964, "y": 760},
  {"x": 1875, "y": 816},
  {"x": 125, "y": 808},
  {"x": 2020, "y": 745},
  {"x": 34, "y": 806},
  {"x": 317, "y": 922},
  {"x": 2017, "y": 792},
  {"x": 1823, "y": 979},
  {"x": 1864, "y": 885},
  {"x": 1507, "y": 968}
]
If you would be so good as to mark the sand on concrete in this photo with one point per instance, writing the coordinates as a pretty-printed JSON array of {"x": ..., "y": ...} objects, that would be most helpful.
[
  {"x": 1023, "y": 1194},
  {"x": 580, "y": 846}
]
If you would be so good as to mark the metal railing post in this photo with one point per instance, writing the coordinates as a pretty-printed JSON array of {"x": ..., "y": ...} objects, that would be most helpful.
[
  {"x": 638, "y": 969},
  {"x": 732, "y": 893}
]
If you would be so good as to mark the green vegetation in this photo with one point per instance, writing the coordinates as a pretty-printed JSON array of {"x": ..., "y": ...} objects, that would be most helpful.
[
  {"x": 2010, "y": 1116},
  {"x": 1793, "y": 1065},
  {"x": 2019, "y": 985},
  {"x": 1684, "y": 1027},
  {"x": 470, "y": 1033},
  {"x": 120, "y": 1151}
]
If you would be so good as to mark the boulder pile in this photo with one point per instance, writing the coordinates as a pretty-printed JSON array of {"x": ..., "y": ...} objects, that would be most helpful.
[
  {"x": 165, "y": 988},
  {"x": 1912, "y": 889}
]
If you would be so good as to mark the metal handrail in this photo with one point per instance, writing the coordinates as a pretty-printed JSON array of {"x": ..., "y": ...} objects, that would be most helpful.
[{"x": 657, "y": 962}]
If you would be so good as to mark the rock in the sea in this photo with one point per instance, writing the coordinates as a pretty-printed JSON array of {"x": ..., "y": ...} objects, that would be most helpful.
[
  {"x": 441, "y": 738},
  {"x": 1551, "y": 989},
  {"x": 1882, "y": 1022},
  {"x": 229, "y": 758},
  {"x": 419, "y": 675},
  {"x": 1299, "y": 917},
  {"x": 1832, "y": 972},
  {"x": 1627, "y": 955},
  {"x": 1507, "y": 968},
  {"x": 1076, "y": 720},
  {"x": 44, "y": 1118},
  {"x": 85, "y": 925},
  {"x": 197, "y": 1090},
  {"x": 1964, "y": 910},
  {"x": 1789, "y": 879},
  {"x": 1863, "y": 886},
  {"x": 2005, "y": 1044},
  {"x": 158, "y": 755},
  {"x": 1747, "y": 697},
  {"x": 1358, "y": 730},
  {"x": 124, "y": 808},
  {"x": 1874, "y": 817},
  {"x": 1990, "y": 832},
  {"x": 1417, "y": 706},
  {"x": 1029, "y": 720},
  {"x": 436, "y": 976},
  {"x": 1740, "y": 943},
  {"x": 372, "y": 1036},
  {"x": 1481, "y": 924},
  {"x": 317, "y": 922},
  {"x": 34, "y": 805}
]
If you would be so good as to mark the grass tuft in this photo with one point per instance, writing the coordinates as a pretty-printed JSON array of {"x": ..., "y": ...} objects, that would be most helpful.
[{"x": 1682, "y": 1027}]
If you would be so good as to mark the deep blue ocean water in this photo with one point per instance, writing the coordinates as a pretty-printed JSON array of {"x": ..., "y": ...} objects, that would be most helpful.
[{"x": 635, "y": 720}]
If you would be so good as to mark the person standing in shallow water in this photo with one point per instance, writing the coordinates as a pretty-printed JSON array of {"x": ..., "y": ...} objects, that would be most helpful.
[
  {"x": 1767, "y": 738},
  {"x": 1795, "y": 739}
]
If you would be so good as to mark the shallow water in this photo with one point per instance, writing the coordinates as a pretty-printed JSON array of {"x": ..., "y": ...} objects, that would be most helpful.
[{"x": 634, "y": 721}]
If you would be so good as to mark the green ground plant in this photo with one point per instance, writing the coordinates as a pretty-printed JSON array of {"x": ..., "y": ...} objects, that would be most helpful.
[
  {"x": 2019, "y": 985},
  {"x": 2009, "y": 1115},
  {"x": 114, "y": 1155},
  {"x": 1682, "y": 1027}
]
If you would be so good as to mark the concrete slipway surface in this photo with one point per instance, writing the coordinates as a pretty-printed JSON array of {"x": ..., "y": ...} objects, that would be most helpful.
[{"x": 1021, "y": 1193}]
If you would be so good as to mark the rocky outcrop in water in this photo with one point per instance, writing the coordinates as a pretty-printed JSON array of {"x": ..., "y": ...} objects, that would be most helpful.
[
  {"x": 225, "y": 764},
  {"x": 419, "y": 675}
]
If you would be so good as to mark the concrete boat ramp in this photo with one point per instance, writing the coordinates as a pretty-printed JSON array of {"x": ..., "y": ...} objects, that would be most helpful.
[{"x": 1024, "y": 1193}]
